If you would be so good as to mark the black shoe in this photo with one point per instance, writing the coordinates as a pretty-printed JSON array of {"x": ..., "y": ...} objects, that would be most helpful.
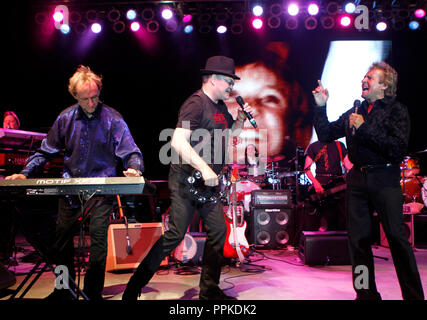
[
  {"x": 132, "y": 291},
  {"x": 215, "y": 294},
  {"x": 368, "y": 296},
  {"x": 60, "y": 295}
]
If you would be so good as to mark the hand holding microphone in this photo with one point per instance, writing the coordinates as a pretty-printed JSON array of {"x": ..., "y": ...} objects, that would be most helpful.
[
  {"x": 251, "y": 119},
  {"x": 354, "y": 117}
]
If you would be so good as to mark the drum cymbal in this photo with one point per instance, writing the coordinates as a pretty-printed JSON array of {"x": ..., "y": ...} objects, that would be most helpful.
[
  {"x": 236, "y": 165},
  {"x": 278, "y": 157}
]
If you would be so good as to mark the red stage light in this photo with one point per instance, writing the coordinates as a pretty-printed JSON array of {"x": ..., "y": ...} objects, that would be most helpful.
[
  {"x": 345, "y": 21},
  {"x": 420, "y": 13},
  {"x": 257, "y": 23},
  {"x": 135, "y": 26},
  {"x": 187, "y": 18},
  {"x": 58, "y": 16}
]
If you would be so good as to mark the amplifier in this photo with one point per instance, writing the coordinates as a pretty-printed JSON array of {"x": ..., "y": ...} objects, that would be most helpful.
[
  {"x": 271, "y": 198},
  {"x": 142, "y": 238}
]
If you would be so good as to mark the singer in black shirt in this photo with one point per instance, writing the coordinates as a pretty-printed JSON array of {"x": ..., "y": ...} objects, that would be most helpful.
[
  {"x": 204, "y": 111},
  {"x": 377, "y": 138}
]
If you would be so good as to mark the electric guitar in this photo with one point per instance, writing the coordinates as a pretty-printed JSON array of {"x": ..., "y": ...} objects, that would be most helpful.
[
  {"x": 330, "y": 189},
  {"x": 235, "y": 245}
]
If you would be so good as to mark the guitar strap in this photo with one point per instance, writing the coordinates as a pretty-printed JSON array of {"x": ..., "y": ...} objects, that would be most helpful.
[{"x": 339, "y": 149}]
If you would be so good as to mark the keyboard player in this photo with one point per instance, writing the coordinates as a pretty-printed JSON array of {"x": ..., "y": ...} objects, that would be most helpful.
[{"x": 94, "y": 139}]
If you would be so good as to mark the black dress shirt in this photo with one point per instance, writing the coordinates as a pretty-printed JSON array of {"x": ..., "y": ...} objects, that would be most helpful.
[
  {"x": 381, "y": 139},
  {"x": 91, "y": 147}
]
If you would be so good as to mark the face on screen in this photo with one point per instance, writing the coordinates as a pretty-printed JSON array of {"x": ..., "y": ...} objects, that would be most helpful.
[{"x": 267, "y": 94}]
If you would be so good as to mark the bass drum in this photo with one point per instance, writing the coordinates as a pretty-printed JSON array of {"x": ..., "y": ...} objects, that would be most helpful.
[
  {"x": 411, "y": 188},
  {"x": 245, "y": 187}
]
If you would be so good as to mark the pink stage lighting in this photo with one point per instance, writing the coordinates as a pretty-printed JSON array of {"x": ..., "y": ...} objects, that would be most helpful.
[
  {"x": 257, "y": 23},
  {"x": 135, "y": 26},
  {"x": 58, "y": 16},
  {"x": 313, "y": 9},
  {"x": 187, "y": 18},
  {"x": 345, "y": 21},
  {"x": 420, "y": 13},
  {"x": 293, "y": 9}
]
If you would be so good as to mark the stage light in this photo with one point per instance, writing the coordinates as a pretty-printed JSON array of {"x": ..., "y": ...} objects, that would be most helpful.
[
  {"x": 167, "y": 14},
  {"x": 221, "y": 29},
  {"x": 65, "y": 29},
  {"x": 257, "y": 10},
  {"x": 420, "y": 13},
  {"x": 152, "y": 26},
  {"x": 113, "y": 15},
  {"x": 345, "y": 21},
  {"x": 187, "y": 18},
  {"x": 188, "y": 28},
  {"x": 135, "y": 26},
  {"x": 350, "y": 7},
  {"x": 96, "y": 27},
  {"x": 119, "y": 27},
  {"x": 310, "y": 23},
  {"x": 381, "y": 26},
  {"x": 257, "y": 23},
  {"x": 236, "y": 28},
  {"x": 414, "y": 25},
  {"x": 332, "y": 8},
  {"x": 291, "y": 23},
  {"x": 274, "y": 22},
  {"x": 58, "y": 16},
  {"x": 293, "y": 9},
  {"x": 313, "y": 9},
  {"x": 131, "y": 14}
]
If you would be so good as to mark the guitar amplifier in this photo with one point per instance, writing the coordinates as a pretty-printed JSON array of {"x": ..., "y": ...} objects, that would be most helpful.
[
  {"x": 271, "y": 198},
  {"x": 142, "y": 238}
]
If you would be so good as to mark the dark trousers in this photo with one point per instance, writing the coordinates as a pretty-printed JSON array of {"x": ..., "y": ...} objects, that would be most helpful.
[
  {"x": 67, "y": 226},
  {"x": 379, "y": 190},
  {"x": 180, "y": 215}
]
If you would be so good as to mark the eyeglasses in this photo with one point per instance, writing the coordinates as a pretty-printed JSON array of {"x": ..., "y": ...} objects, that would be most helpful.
[{"x": 229, "y": 80}]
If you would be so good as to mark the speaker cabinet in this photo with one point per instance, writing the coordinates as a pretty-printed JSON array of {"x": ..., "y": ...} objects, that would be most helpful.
[
  {"x": 271, "y": 228},
  {"x": 324, "y": 248},
  {"x": 142, "y": 237}
]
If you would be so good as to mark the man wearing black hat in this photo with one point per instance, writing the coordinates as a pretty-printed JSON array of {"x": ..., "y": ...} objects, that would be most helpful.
[{"x": 205, "y": 109}]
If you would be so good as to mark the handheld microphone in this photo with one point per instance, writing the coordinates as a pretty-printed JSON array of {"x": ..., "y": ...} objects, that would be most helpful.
[
  {"x": 251, "y": 119},
  {"x": 356, "y": 105}
]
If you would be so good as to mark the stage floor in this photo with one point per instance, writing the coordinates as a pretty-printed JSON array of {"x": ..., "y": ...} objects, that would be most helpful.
[{"x": 271, "y": 275}]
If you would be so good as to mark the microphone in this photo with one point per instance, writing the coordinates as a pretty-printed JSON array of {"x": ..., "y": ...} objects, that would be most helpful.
[
  {"x": 356, "y": 105},
  {"x": 251, "y": 119}
]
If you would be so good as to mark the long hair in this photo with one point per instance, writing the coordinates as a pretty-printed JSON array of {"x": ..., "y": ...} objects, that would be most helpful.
[{"x": 13, "y": 114}]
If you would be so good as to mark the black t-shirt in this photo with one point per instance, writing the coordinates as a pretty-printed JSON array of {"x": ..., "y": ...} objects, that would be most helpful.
[
  {"x": 327, "y": 159},
  {"x": 208, "y": 122}
]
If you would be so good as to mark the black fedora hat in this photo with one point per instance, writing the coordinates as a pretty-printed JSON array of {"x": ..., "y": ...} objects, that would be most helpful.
[{"x": 220, "y": 65}]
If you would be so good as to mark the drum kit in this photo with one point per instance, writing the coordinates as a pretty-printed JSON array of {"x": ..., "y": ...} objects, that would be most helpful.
[
  {"x": 267, "y": 175},
  {"x": 414, "y": 185}
]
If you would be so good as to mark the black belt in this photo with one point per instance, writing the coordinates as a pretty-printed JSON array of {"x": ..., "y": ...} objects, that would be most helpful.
[{"x": 370, "y": 167}]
